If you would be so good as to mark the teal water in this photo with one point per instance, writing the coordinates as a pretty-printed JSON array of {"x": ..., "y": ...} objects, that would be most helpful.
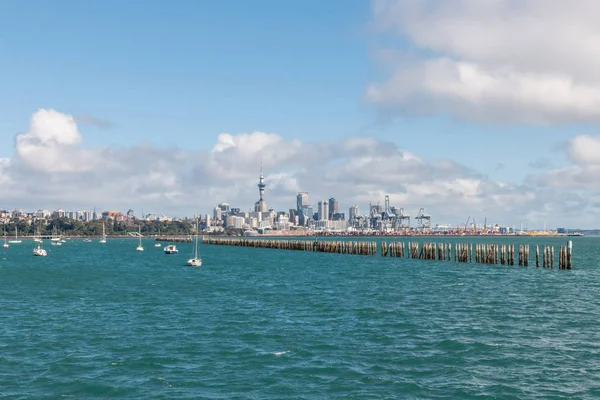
[{"x": 98, "y": 321}]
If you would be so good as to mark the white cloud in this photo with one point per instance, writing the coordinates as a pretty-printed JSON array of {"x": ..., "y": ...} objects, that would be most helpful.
[
  {"x": 181, "y": 182},
  {"x": 532, "y": 61},
  {"x": 584, "y": 149},
  {"x": 50, "y": 144},
  {"x": 583, "y": 174}
]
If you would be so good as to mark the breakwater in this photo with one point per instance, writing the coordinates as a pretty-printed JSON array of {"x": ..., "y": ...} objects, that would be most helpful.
[{"x": 504, "y": 254}]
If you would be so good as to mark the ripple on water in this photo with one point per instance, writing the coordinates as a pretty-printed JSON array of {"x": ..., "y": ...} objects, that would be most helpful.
[{"x": 258, "y": 324}]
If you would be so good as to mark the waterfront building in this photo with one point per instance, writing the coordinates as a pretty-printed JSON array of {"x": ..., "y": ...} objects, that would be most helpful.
[
  {"x": 282, "y": 223},
  {"x": 253, "y": 222},
  {"x": 89, "y": 216},
  {"x": 224, "y": 208},
  {"x": 305, "y": 214},
  {"x": 58, "y": 213},
  {"x": 354, "y": 213},
  {"x": 232, "y": 221},
  {"x": 338, "y": 216},
  {"x": 151, "y": 217},
  {"x": 323, "y": 210},
  {"x": 301, "y": 200},
  {"x": 42, "y": 214},
  {"x": 333, "y": 207},
  {"x": 217, "y": 213}
]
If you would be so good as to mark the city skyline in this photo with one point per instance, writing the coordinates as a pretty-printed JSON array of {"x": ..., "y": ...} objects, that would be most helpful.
[{"x": 383, "y": 98}]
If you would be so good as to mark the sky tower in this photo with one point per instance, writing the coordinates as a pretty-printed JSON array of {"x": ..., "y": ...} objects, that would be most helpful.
[{"x": 261, "y": 205}]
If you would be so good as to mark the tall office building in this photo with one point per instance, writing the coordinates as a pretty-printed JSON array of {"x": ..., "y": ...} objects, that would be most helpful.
[
  {"x": 301, "y": 200},
  {"x": 353, "y": 212},
  {"x": 333, "y": 207},
  {"x": 323, "y": 210},
  {"x": 217, "y": 213}
]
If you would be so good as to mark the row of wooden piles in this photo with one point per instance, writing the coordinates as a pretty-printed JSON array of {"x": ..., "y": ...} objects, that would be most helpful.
[
  {"x": 482, "y": 253},
  {"x": 460, "y": 252},
  {"x": 328, "y": 246},
  {"x": 176, "y": 239}
]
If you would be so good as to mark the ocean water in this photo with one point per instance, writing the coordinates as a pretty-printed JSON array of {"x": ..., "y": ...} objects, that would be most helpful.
[{"x": 104, "y": 321}]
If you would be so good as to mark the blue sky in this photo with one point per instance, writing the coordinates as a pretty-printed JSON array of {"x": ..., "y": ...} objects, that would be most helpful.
[
  {"x": 176, "y": 75},
  {"x": 192, "y": 69}
]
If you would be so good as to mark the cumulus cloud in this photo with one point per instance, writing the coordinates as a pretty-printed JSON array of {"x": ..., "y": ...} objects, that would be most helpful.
[
  {"x": 533, "y": 61},
  {"x": 585, "y": 149},
  {"x": 583, "y": 175},
  {"x": 52, "y": 168},
  {"x": 50, "y": 144}
]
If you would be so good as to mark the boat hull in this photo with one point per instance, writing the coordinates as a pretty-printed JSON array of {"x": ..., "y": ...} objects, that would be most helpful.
[{"x": 194, "y": 262}]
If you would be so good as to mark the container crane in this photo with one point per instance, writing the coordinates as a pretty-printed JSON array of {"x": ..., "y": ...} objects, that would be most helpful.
[
  {"x": 422, "y": 216},
  {"x": 403, "y": 218},
  {"x": 388, "y": 214}
]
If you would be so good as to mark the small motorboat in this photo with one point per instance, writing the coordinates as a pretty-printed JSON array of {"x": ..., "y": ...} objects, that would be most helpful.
[{"x": 171, "y": 249}]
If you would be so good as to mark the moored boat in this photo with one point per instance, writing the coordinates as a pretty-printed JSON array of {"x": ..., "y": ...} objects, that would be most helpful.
[
  {"x": 195, "y": 261},
  {"x": 171, "y": 249}
]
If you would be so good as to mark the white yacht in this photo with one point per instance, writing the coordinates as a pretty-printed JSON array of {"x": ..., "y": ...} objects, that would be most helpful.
[
  {"x": 16, "y": 239},
  {"x": 103, "y": 240},
  {"x": 5, "y": 244},
  {"x": 55, "y": 236},
  {"x": 140, "y": 247},
  {"x": 158, "y": 244},
  {"x": 39, "y": 251},
  {"x": 195, "y": 261}
]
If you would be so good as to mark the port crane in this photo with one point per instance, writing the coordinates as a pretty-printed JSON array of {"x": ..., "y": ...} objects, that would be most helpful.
[
  {"x": 402, "y": 217},
  {"x": 466, "y": 226},
  {"x": 422, "y": 216},
  {"x": 387, "y": 212}
]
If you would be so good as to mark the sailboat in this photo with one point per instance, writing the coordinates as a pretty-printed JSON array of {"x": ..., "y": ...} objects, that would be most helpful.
[
  {"x": 16, "y": 240},
  {"x": 195, "y": 261},
  {"x": 4, "y": 229},
  {"x": 55, "y": 236},
  {"x": 140, "y": 247},
  {"x": 39, "y": 251},
  {"x": 157, "y": 244},
  {"x": 103, "y": 240}
]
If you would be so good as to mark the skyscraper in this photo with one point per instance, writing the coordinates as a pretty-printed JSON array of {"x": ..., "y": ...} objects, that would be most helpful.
[
  {"x": 323, "y": 210},
  {"x": 301, "y": 200},
  {"x": 333, "y": 207},
  {"x": 353, "y": 212}
]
